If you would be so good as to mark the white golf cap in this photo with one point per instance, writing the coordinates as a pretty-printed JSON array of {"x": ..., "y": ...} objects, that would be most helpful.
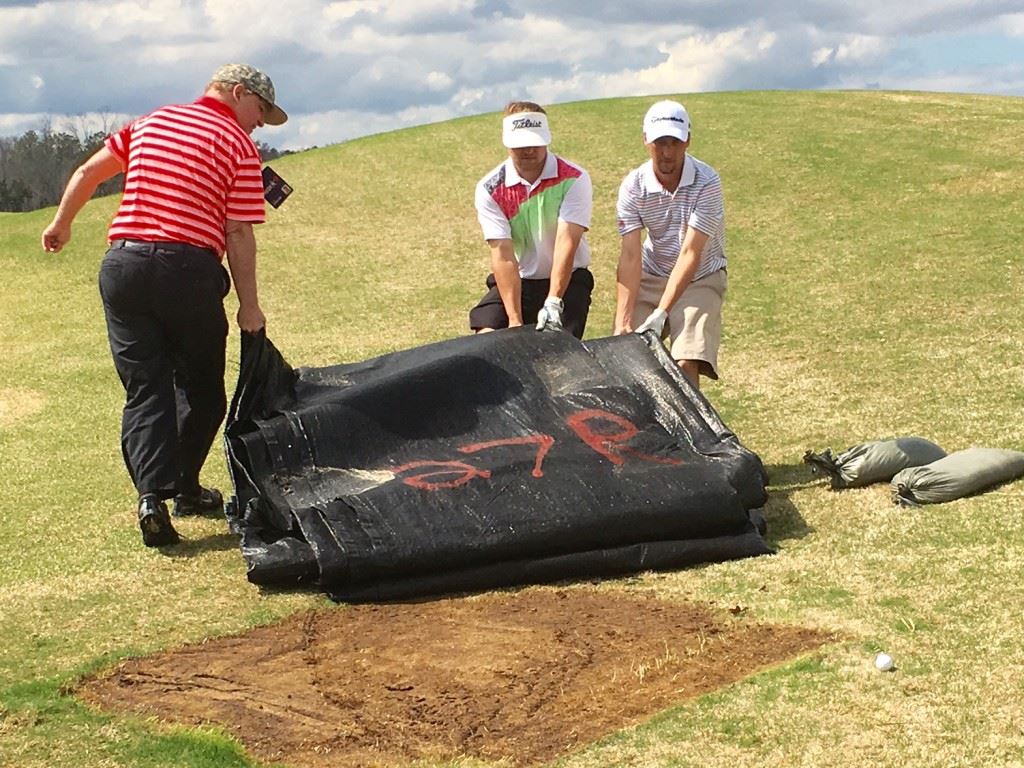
[
  {"x": 525, "y": 129},
  {"x": 666, "y": 118}
]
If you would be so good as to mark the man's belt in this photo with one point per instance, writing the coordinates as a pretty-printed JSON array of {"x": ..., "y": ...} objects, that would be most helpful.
[{"x": 152, "y": 247}]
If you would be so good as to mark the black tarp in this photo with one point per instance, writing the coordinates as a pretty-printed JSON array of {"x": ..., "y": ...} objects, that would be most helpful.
[{"x": 503, "y": 458}]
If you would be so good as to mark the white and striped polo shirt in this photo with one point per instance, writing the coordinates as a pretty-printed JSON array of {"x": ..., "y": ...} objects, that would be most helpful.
[
  {"x": 510, "y": 208},
  {"x": 188, "y": 168},
  {"x": 697, "y": 202}
]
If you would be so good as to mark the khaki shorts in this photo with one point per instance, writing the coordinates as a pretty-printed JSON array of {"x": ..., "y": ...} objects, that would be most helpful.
[{"x": 695, "y": 321}]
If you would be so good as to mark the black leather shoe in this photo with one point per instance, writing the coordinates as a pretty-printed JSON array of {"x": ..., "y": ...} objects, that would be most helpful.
[
  {"x": 155, "y": 523},
  {"x": 208, "y": 502}
]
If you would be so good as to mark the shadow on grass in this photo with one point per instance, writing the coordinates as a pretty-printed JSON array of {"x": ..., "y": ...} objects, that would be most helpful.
[
  {"x": 312, "y": 587},
  {"x": 783, "y": 517},
  {"x": 192, "y": 547}
]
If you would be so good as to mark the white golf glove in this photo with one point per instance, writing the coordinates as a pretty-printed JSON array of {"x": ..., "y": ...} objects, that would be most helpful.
[
  {"x": 654, "y": 322},
  {"x": 550, "y": 315}
]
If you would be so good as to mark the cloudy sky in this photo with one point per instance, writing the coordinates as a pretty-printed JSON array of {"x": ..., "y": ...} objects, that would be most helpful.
[{"x": 351, "y": 68}]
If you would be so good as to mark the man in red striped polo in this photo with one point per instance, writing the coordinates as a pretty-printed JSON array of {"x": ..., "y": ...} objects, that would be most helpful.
[
  {"x": 534, "y": 209},
  {"x": 675, "y": 280},
  {"x": 192, "y": 191}
]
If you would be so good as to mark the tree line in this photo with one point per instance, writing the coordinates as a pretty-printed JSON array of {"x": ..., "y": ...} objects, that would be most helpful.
[{"x": 35, "y": 166}]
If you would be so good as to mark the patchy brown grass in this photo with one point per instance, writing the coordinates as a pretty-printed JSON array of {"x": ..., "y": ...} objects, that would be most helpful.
[{"x": 18, "y": 404}]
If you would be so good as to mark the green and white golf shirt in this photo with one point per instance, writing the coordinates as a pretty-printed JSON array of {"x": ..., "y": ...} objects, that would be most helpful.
[{"x": 510, "y": 208}]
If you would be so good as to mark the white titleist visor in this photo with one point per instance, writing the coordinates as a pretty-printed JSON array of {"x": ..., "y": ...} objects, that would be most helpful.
[{"x": 525, "y": 129}]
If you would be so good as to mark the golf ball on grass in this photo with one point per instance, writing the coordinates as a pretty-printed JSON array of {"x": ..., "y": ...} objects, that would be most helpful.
[{"x": 884, "y": 662}]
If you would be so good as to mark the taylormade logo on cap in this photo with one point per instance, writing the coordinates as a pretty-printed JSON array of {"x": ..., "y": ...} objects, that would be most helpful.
[
  {"x": 666, "y": 118},
  {"x": 525, "y": 129}
]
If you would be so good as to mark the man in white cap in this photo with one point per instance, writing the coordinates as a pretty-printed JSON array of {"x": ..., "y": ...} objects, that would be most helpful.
[
  {"x": 193, "y": 189},
  {"x": 675, "y": 280},
  {"x": 534, "y": 209}
]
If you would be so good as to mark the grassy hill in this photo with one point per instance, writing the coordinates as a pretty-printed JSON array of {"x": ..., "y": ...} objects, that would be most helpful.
[{"x": 875, "y": 291}]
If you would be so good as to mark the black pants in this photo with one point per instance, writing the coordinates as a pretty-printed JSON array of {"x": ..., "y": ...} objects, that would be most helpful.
[
  {"x": 490, "y": 312},
  {"x": 167, "y": 329}
]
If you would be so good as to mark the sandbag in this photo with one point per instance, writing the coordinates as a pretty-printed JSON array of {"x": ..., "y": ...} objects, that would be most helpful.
[
  {"x": 873, "y": 462},
  {"x": 959, "y": 474}
]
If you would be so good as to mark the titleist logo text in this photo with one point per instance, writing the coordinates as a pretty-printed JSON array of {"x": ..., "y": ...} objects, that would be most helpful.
[{"x": 526, "y": 122}]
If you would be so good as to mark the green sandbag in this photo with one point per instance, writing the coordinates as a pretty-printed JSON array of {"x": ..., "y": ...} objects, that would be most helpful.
[
  {"x": 873, "y": 462},
  {"x": 959, "y": 474}
]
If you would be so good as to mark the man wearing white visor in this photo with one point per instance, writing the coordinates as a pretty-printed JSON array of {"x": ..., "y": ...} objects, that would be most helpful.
[
  {"x": 534, "y": 209},
  {"x": 675, "y": 280}
]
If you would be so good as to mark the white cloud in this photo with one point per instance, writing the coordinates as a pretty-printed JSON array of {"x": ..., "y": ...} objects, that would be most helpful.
[
  {"x": 993, "y": 80},
  {"x": 1013, "y": 24},
  {"x": 357, "y": 66},
  {"x": 349, "y": 8},
  {"x": 112, "y": 22},
  {"x": 322, "y": 128},
  {"x": 467, "y": 100},
  {"x": 822, "y": 56},
  {"x": 693, "y": 63},
  {"x": 860, "y": 48},
  {"x": 14, "y": 125},
  {"x": 438, "y": 81}
]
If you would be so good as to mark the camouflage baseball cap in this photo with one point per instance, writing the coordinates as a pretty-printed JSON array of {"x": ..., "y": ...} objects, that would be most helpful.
[{"x": 255, "y": 81}]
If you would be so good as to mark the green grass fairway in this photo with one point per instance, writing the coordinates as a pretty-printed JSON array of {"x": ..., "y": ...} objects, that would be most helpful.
[{"x": 876, "y": 286}]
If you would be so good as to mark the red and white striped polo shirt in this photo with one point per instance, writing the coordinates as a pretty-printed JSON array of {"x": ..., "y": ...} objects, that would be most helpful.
[{"x": 188, "y": 168}]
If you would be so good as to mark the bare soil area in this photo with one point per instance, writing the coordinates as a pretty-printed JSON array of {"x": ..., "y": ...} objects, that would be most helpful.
[{"x": 522, "y": 676}]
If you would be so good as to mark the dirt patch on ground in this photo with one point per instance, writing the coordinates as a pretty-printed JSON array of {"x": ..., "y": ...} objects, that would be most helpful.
[{"x": 525, "y": 676}]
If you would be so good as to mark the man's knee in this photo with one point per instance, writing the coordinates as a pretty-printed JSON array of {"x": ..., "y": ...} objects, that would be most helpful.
[{"x": 691, "y": 369}]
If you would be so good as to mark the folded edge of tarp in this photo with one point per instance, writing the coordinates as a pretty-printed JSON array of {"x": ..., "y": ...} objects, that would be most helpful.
[{"x": 593, "y": 564}]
